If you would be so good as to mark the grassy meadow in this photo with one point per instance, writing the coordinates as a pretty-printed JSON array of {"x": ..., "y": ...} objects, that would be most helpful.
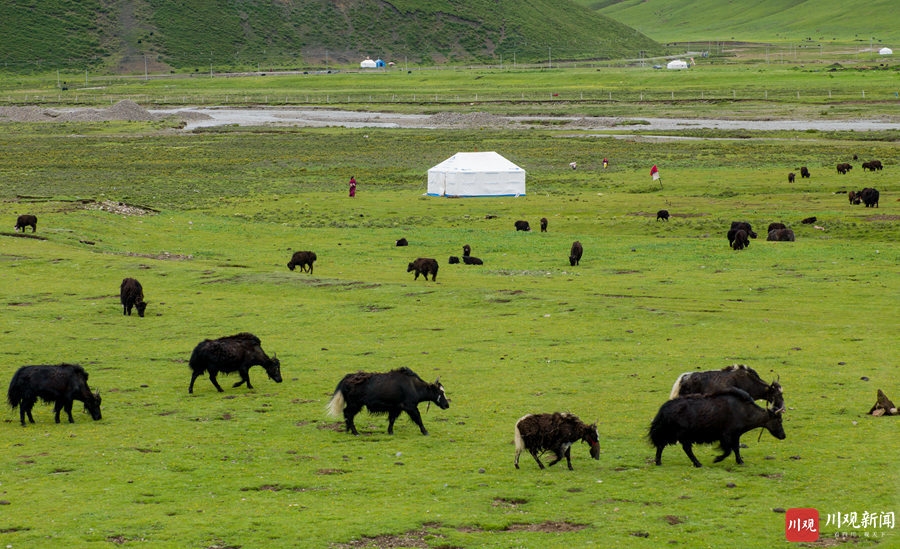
[{"x": 208, "y": 220}]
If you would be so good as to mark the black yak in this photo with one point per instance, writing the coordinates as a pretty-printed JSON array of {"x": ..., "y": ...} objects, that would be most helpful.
[
  {"x": 663, "y": 215},
  {"x": 776, "y": 225},
  {"x": 131, "y": 293},
  {"x": 26, "y": 221},
  {"x": 809, "y": 220},
  {"x": 791, "y": 177},
  {"x": 467, "y": 250},
  {"x": 402, "y": 242},
  {"x": 544, "y": 224},
  {"x": 522, "y": 226},
  {"x": 736, "y": 375},
  {"x": 235, "y": 353},
  {"x": 539, "y": 433},
  {"x": 738, "y": 226},
  {"x": 575, "y": 253},
  {"x": 780, "y": 235},
  {"x": 453, "y": 260},
  {"x": 703, "y": 419},
  {"x": 843, "y": 168},
  {"x": 739, "y": 239},
  {"x": 304, "y": 260},
  {"x": 804, "y": 172},
  {"x": 869, "y": 197},
  {"x": 61, "y": 384},
  {"x": 388, "y": 393},
  {"x": 854, "y": 198},
  {"x": 472, "y": 260},
  {"x": 424, "y": 266}
]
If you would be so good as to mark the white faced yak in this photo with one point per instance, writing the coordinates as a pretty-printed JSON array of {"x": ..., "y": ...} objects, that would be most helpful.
[{"x": 739, "y": 376}]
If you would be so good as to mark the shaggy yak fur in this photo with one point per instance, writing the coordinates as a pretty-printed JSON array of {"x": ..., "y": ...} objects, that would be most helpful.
[
  {"x": 424, "y": 266},
  {"x": 235, "y": 353},
  {"x": 61, "y": 384},
  {"x": 131, "y": 293},
  {"x": 539, "y": 433}
]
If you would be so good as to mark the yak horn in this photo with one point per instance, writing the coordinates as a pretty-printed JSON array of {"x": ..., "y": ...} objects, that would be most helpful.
[{"x": 760, "y": 435}]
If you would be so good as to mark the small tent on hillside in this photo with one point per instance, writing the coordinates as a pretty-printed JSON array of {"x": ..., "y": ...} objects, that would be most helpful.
[
  {"x": 475, "y": 174},
  {"x": 678, "y": 64},
  {"x": 886, "y": 51}
]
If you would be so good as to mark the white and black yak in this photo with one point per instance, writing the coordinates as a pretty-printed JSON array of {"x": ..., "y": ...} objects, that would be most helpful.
[
  {"x": 556, "y": 432},
  {"x": 738, "y": 376},
  {"x": 390, "y": 393}
]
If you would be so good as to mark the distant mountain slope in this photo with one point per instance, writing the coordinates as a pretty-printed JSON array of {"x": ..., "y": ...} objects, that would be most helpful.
[
  {"x": 865, "y": 21},
  {"x": 132, "y": 35}
]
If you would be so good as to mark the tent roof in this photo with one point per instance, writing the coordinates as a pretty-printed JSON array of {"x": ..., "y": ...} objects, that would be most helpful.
[
  {"x": 477, "y": 162},
  {"x": 885, "y": 51}
]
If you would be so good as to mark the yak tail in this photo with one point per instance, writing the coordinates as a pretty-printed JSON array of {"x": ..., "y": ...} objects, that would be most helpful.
[
  {"x": 520, "y": 444},
  {"x": 14, "y": 395},
  {"x": 676, "y": 388},
  {"x": 336, "y": 404}
]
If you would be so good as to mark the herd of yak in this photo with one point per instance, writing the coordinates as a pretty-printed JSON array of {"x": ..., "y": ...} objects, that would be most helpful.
[{"x": 704, "y": 407}]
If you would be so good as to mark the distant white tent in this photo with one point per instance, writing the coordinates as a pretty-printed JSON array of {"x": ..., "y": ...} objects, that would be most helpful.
[
  {"x": 367, "y": 64},
  {"x": 886, "y": 51},
  {"x": 678, "y": 64},
  {"x": 475, "y": 174}
]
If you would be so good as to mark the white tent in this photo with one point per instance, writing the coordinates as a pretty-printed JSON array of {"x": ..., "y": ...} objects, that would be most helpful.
[
  {"x": 677, "y": 64},
  {"x": 886, "y": 51},
  {"x": 367, "y": 64},
  {"x": 471, "y": 174}
]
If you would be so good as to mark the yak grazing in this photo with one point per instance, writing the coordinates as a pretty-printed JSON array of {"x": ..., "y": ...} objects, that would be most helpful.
[
  {"x": 424, "y": 266},
  {"x": 704, "y": 419},
  {"x": 544, "y": 224},
  {"x": 304, "y": 260},
  {"x": 739, "y": 376},
  {"x": 60, "y": 384},
  {"x": 131, "y": 293},
  {"x": 791, "y": 177},
  {"x": 235, "y": 353},
  {"x": 662, "y": 214},
  {"x": 388, "y": 393},
  {"x": 26, "y": 221},
  {"x": 780, "y": 235},
  {"x": 539, "y": 433},
  {"x": 869, "y": 197},
  {"x": 575, "y": 253},
  {"x": 522, "y": 225}
]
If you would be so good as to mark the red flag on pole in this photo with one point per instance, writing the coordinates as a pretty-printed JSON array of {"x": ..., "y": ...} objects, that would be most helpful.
[{"x": 654, "y": 172}]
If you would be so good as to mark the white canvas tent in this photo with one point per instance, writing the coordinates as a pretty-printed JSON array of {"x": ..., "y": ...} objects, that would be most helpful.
[
  {"x": 678, "y": 64},
  {"x": 471, "y": 174},
  {"x": 367, "y": 64},
  {"x": 886, "y": 51}
]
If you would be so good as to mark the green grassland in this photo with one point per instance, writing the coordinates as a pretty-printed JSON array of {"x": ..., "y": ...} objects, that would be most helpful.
[
  {"x": 224, "y": 209},
  {"x": 777, "y": 21}
]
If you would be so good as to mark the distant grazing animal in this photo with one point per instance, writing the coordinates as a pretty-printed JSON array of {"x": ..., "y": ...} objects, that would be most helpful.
[
  {"x": 522, "y": 226},
  {"x": 575, "y": 253},
  {"x": 540, "y": 433},
  {"x": 388, "y": 393},
  {"x": 776, "y": 225},
  {"x": 869, "y": 197},
  {"x": 61, "y": 384},
  {"x": 844, "y": 168},
  {"x": 131, "y": 293},
  {"x": 854, "y": 198},
  {"x": 703, "y": 419},
  {"x": 872, "y": 165},
  {"x": 471, "y": 260},
  {"x": 402, "y": 242},
  {"x": 662, "y": 214},
  {"x": 453, "y": 260},
  {"x": 544, "y": 224},
  {"x": 809, "y": 220},
  {"x": 804, "y": 172},
  {"x": 740, "y": 226},
  {"x": 424, "y": 266},
  {"x": 780, "y": 235},
  {"x": 26, "y": 221},
  {"x": 736, "y": 375},
  {"x": 740, "y": 240},
  {"x": 304, "y": 260},
  {"x": 229, "y": 354},
  {"x": 791, "y": 177},
  {"x": 467, "y": 250}
]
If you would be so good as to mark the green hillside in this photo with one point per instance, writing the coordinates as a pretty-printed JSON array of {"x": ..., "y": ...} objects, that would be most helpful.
[
  {"x": 138, "y": 35},
  {"x": 875, "y": 22}
]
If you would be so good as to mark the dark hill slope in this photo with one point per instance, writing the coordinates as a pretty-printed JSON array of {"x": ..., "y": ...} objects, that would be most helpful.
[{"x": 243, "y": 34}]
